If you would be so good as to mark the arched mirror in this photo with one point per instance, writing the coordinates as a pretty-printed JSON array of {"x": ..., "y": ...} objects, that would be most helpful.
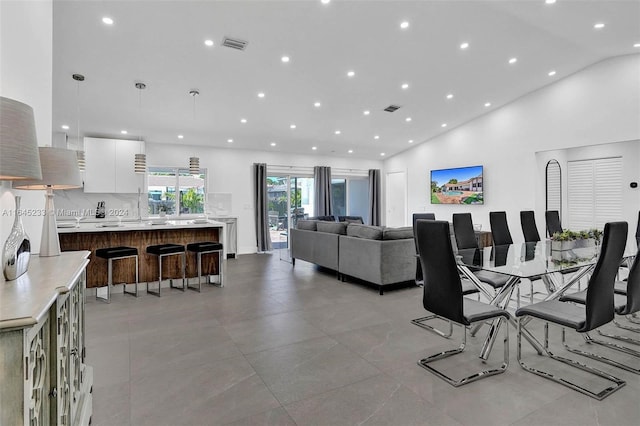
[{"x": 553, "y": 186}]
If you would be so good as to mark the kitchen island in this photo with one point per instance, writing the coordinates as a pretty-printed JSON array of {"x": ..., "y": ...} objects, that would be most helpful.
[{"x": 140, "y": 234}]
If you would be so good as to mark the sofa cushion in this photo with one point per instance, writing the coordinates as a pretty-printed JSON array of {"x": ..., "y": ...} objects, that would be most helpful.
[
  {"x": 307, "y": 225},
  {"x": 364, "y": 231},
  {"x": 332, "y": 227},
  {"x": 397, "y": 233}
]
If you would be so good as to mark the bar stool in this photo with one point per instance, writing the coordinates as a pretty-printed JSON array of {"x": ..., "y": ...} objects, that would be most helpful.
[
  {"x": 207, "y": 248},
  {"x": 117, "y": 253},
  {"x": 163, "y": 250}
]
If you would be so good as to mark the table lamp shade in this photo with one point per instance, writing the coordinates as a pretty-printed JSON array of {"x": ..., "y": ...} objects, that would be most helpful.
[
  {"x": 19, "y": 157},
  {"x": 59, "y": 170}
]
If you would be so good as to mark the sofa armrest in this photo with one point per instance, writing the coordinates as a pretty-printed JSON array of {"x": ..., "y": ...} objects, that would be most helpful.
[
  {"x": 316, "y": 247},
  {"x": 377, "y": 261}
]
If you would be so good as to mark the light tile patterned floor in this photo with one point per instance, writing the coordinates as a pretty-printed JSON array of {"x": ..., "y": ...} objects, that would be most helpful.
[{"x": 284, "y": 345}]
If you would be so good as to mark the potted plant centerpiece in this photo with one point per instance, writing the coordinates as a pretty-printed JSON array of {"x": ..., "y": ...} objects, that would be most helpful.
[{"x": 562, "y": 242}]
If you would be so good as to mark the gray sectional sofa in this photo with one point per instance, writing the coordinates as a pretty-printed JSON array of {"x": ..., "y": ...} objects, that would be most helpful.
[{"x": 378, "y": 255}]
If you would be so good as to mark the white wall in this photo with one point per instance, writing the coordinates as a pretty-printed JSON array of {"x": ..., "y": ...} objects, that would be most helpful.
[
  {"x": 230, "y": 170},
  {"x": 630, "y": 153},
  {"x": 598, "y": 105},
  {"x": 26, "y": 75}
]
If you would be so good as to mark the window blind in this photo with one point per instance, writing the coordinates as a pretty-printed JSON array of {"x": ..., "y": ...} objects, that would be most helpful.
[{"x": 594, "y": 190}]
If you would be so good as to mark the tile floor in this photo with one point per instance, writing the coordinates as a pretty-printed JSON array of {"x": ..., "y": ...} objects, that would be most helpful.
[{"x": 283, "y": 345}]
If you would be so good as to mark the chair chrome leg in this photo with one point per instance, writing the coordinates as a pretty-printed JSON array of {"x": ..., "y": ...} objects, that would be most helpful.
[
  {"x": 618, "y": 383},
  {"x": 421, "y": 322},
  {"x": 602, "y": 358},
  {"x": 109, "y": 283},
  {"x": 424, "y": 363},
  {"x": 133, "y": 293}
]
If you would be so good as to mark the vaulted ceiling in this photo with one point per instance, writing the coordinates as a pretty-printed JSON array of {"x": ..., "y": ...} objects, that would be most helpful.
[{"x": 455, "y": 58}]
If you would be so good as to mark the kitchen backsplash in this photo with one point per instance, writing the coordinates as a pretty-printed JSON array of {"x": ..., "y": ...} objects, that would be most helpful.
[{"x": 76, "y": 202}]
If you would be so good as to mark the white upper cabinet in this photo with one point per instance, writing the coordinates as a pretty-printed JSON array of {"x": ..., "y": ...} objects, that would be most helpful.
[{"x": 110, "y": 166}]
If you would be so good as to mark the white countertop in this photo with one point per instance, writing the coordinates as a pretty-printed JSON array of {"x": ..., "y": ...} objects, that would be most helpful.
[{"x": 68, "y": 227}]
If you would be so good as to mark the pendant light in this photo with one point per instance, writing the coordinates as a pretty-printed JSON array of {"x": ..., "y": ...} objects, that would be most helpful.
[
  {"x": 194, "y": 162},
  {"x": 80, "y": 155},
  {"x": 140, "y": 161}
]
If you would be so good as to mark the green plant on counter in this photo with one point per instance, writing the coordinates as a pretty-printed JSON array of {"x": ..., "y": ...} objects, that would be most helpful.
[{"x": 568, "y": 235}]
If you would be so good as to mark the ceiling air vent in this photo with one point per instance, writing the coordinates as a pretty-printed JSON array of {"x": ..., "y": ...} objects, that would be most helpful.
[
  {"x": 392, "y": 108},
  {"x": 234, "y": 43}
]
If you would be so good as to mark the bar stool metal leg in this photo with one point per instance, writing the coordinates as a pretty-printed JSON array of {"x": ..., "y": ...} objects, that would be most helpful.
[
  {"x": 133, "y": 293},
  {"x": 109, "y": 283},
  {"x": 184, "y": 286}
]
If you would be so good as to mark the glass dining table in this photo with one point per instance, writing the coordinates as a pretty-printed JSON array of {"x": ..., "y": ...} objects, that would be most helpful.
[{"x": 559, "y": 270}]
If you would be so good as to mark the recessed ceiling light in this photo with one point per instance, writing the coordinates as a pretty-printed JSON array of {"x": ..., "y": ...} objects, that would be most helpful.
[
  {"x": 337, "y": 132},
  {"x": 549, "y": 1},
  {"x": 351, "y": 73},
  {"x": 261, "y": 95},
  {"x": 243, "y": 120},
  {"x": 208, "y": 43},
  {"x": 513, "y": 60},
  {"x": 487, "y": 104},
  {"x": 551, "y": 73},
  {"x": 314, "y": 148},
  {"x": 366, "y": 112},
  {"x": 317, "y": 104},
  {"x": 405, "y": 86},
  {"x": 325, "y": 1},
  {"x": 293, "y": 126},
  {"x": 107, "y": 20},
  {"x": 636, "y": 45},
  {"x": 408, "y": 119},
  {"x": 404, "y": 25},
  {"x": 180, "y": 136},
  {"x": 273, "y": 144},
  {"x": 410, "y": 140},
  {"x": 599, "y": 26},
  {"x": 229, "y": 140},
  {"x": 464, "y": 45},
  {"x": 376, "y": 137},
  {"x": 350, "y": 151},
  {"x": 450, "y": 96},
  {"x": 124, "y": 132},
  {"x": 65, "y": 127},
  {"x": 285, "y": 59},
  {"x": 443, "y": 125},
  {"x": 382, "y": 154}
]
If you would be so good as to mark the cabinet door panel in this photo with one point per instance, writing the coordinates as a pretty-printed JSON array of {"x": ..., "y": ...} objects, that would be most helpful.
[{"x": 100, "y": 174}]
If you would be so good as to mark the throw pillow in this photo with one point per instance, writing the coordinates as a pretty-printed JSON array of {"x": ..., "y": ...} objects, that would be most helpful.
[
  {"x": 332, "y": 227},
  {"x": 364, "y": 231},
  {"x": 307, "y": 225},
  {"x": 397, "y": 233}
]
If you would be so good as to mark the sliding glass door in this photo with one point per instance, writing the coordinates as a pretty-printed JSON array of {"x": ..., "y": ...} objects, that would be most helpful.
[{"x": 290, "y": 199}]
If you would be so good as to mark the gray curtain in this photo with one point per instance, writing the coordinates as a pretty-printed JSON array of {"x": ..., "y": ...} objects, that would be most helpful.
[
  {"x": 263, "y": 238},
  {"x": 374, "y": 197},
  {"x": 322, "y": 186}
]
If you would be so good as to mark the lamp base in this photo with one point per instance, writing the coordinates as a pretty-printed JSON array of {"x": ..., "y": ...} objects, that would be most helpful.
[
  {"x": 16, "y": 252},
  {"x": 49, "y": 242}
]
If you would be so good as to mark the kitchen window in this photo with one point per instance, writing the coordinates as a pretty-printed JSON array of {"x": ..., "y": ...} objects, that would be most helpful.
[{"x": 175, "y": 191}]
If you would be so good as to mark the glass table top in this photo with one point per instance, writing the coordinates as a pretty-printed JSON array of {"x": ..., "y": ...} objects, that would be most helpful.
[{"x": 526, "y": 260}]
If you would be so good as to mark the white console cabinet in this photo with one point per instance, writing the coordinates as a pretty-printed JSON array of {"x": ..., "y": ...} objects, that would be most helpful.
[
  {"x": 43, "y": 377},
  {"x": 109, "y": 165}
]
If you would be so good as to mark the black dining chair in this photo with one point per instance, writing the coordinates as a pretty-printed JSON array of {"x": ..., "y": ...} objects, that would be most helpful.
[
  {"x": 638, "y": 232},
  {"x": 443, "y": 297},
  {"x": 552, "y": 218},
  {"x": 500, "y": 229},
  {"x": 466, "y": 239},
  {"x": 467, "y": 286},
  {"x": 626, "y": 301},
  {"x": 529, "y": 228},
  {"x": 597, "y": 311}
]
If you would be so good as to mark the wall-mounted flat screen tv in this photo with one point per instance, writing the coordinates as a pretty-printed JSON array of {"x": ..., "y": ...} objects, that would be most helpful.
[{"x": 462, "y": 185}]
